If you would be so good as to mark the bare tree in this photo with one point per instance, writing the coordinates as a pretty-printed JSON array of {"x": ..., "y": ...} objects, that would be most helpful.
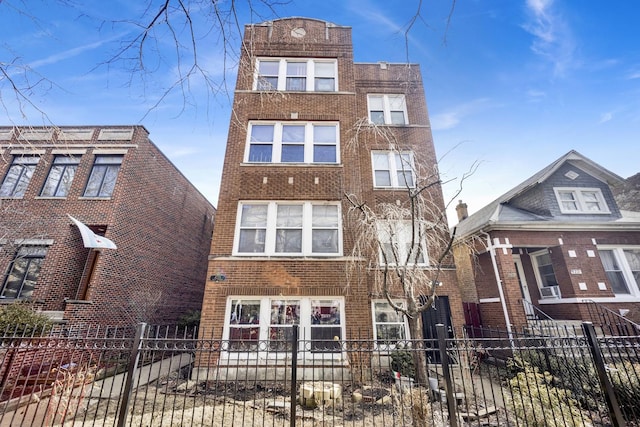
[{"x": 403, "y": 244}]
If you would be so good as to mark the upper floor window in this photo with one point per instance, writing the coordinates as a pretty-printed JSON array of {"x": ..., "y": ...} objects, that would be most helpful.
[
  {"x": 296, "y": 74},
  {"x": 296, "y": 142},
  {"x": 622, "y": 268},
  {"x": 288, "y": 229},
  {"x": 387, "y": 109},
  {"x": 103, "y": 176},
  {"x": 400, "y": 244},
  {"x": 392, "y": 169},
  {"x": 18, "y": 176},
  {"x": 389, "y": 325},
  {"x": 60, "y": 176},
  {"x": 23, "y": 272},
  {"x": 581, "y": 200}
]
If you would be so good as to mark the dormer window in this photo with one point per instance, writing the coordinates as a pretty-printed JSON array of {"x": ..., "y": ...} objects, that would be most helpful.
[{"x": 581, "y": 201}]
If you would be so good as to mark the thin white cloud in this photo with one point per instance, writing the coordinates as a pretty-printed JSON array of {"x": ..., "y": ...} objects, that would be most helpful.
[
  {"x": 451, "y": 118},
  {"x": 605, "y": 117},
  {"x": 634, "y": 75},
  {"x": 534, "y": 95},
  {"x": 70, "y": 53},
  {"x": 553, "y": 39}
]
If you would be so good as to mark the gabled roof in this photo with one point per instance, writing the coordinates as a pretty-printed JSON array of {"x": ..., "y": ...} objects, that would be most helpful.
[{"x": 499, "y": 211}]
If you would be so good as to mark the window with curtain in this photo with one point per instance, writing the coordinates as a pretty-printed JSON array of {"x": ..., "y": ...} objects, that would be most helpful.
[{"x": 614, "y": 271}]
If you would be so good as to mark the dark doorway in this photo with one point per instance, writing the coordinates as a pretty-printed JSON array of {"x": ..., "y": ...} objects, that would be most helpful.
[{"x": 439, "y": 312}]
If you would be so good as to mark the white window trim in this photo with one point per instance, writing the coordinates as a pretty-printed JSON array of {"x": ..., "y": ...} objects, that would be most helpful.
[
  {"x": 375, "y": 323},
  {"x": 536, "y": 271},
  {"x": 387, "y": 108},
  {"x": 393, "y": 168},
  {"x": 276, "y": 154},
  {"x": 310, "y": 76},
  {"x": 627, "y": 274},
  {"x": 406, "y": 235},
  {"x": 578, "y": 192},
  {"x": 270, "y": 237},
  {"x": 265, "y": 322}
]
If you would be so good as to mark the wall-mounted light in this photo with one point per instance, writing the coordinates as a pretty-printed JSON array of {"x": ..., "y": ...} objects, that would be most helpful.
[{"x": 220, "y": 277}]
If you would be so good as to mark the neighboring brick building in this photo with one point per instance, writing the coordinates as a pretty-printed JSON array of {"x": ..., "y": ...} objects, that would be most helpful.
[
  {"x": 552, "y": 247},
  {"x": 117, "y": 182},
  {"x": 282, "y": 241}
]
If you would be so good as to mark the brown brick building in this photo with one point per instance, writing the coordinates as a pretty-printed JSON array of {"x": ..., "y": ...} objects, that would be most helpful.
[
  {"x": 282, "y": 244},
  {"x": 117, "y": 182}
]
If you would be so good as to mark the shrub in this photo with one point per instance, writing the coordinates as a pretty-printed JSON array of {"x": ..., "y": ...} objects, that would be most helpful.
[
  {"x": 21, "y": 319},
  {"x": 537, "y": 402},
  {"x": 402, "y": 361},
  {"x": 190, "y": 319},
  {"x": 625, "y": 378}
]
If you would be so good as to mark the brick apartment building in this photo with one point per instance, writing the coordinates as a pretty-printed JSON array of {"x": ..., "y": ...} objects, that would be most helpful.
[
  {"x": 118, "y": 183},
  {"x": 555, "y": 247},
  {"x": 282, "y": 241}
]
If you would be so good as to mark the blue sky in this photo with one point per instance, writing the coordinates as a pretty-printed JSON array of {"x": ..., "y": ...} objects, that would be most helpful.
[{"x": 511, "y": 84}]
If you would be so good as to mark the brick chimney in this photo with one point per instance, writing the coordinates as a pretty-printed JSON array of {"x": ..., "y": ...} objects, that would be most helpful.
[{"x": 462, "y": 211}]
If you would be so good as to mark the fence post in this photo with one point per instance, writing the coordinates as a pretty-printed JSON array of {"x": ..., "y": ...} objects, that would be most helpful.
[
  {"x": 133, "y": 364},
  {"x": 294, "y": 373},
  {"x": 617, "y": 419},
  {"x": 449, "y": 388}
]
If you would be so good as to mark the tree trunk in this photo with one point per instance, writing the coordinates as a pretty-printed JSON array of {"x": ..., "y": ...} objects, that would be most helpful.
[{"x": 419, "y": 355}]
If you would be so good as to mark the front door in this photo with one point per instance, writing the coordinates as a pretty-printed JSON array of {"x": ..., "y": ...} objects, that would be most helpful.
[
  {"x": 439, "y": 312},
  {"x": 524, "y": 289}
]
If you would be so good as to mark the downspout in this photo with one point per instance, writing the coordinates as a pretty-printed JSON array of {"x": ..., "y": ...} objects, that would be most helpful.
[{"x": 492, "y": 252}]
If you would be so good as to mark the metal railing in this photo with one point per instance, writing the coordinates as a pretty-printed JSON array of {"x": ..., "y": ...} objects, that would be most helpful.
[
  {"x": 611, "y": 322},
  {"x": 165, "y": 377}
]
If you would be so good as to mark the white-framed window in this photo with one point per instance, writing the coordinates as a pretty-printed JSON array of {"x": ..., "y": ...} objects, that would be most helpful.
[
  {"x": 622, "y": 268},
  {"x": 296, "y": 74},
  {"x": 545, "y": 275},
  {"x": 389, "y": 326},
  {"x": 401, "y": 244},
  {"x": 387, "y": 109},
  {"x": 288, "y": 228},
  {"x": 18, "y": 176},
  {"x": 293, "y": 142},
  {"x": 392, "y": 169},
  {"x": 581, "y": 200},
  {"x": 259, "y": 326}
]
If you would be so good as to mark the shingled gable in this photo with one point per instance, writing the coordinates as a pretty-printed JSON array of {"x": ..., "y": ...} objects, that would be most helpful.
[{"x": 499, "y": 210}]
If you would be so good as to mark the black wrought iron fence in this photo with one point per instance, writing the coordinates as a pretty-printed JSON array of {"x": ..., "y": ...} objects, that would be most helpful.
[{"x": 169, "y": 377}]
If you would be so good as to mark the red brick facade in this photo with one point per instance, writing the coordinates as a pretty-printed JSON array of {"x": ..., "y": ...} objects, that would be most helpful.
[
  {"x": 309, "y": 276},
  {"x": 159, "y": 221},
  {"x": 557, "y": 246}
]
